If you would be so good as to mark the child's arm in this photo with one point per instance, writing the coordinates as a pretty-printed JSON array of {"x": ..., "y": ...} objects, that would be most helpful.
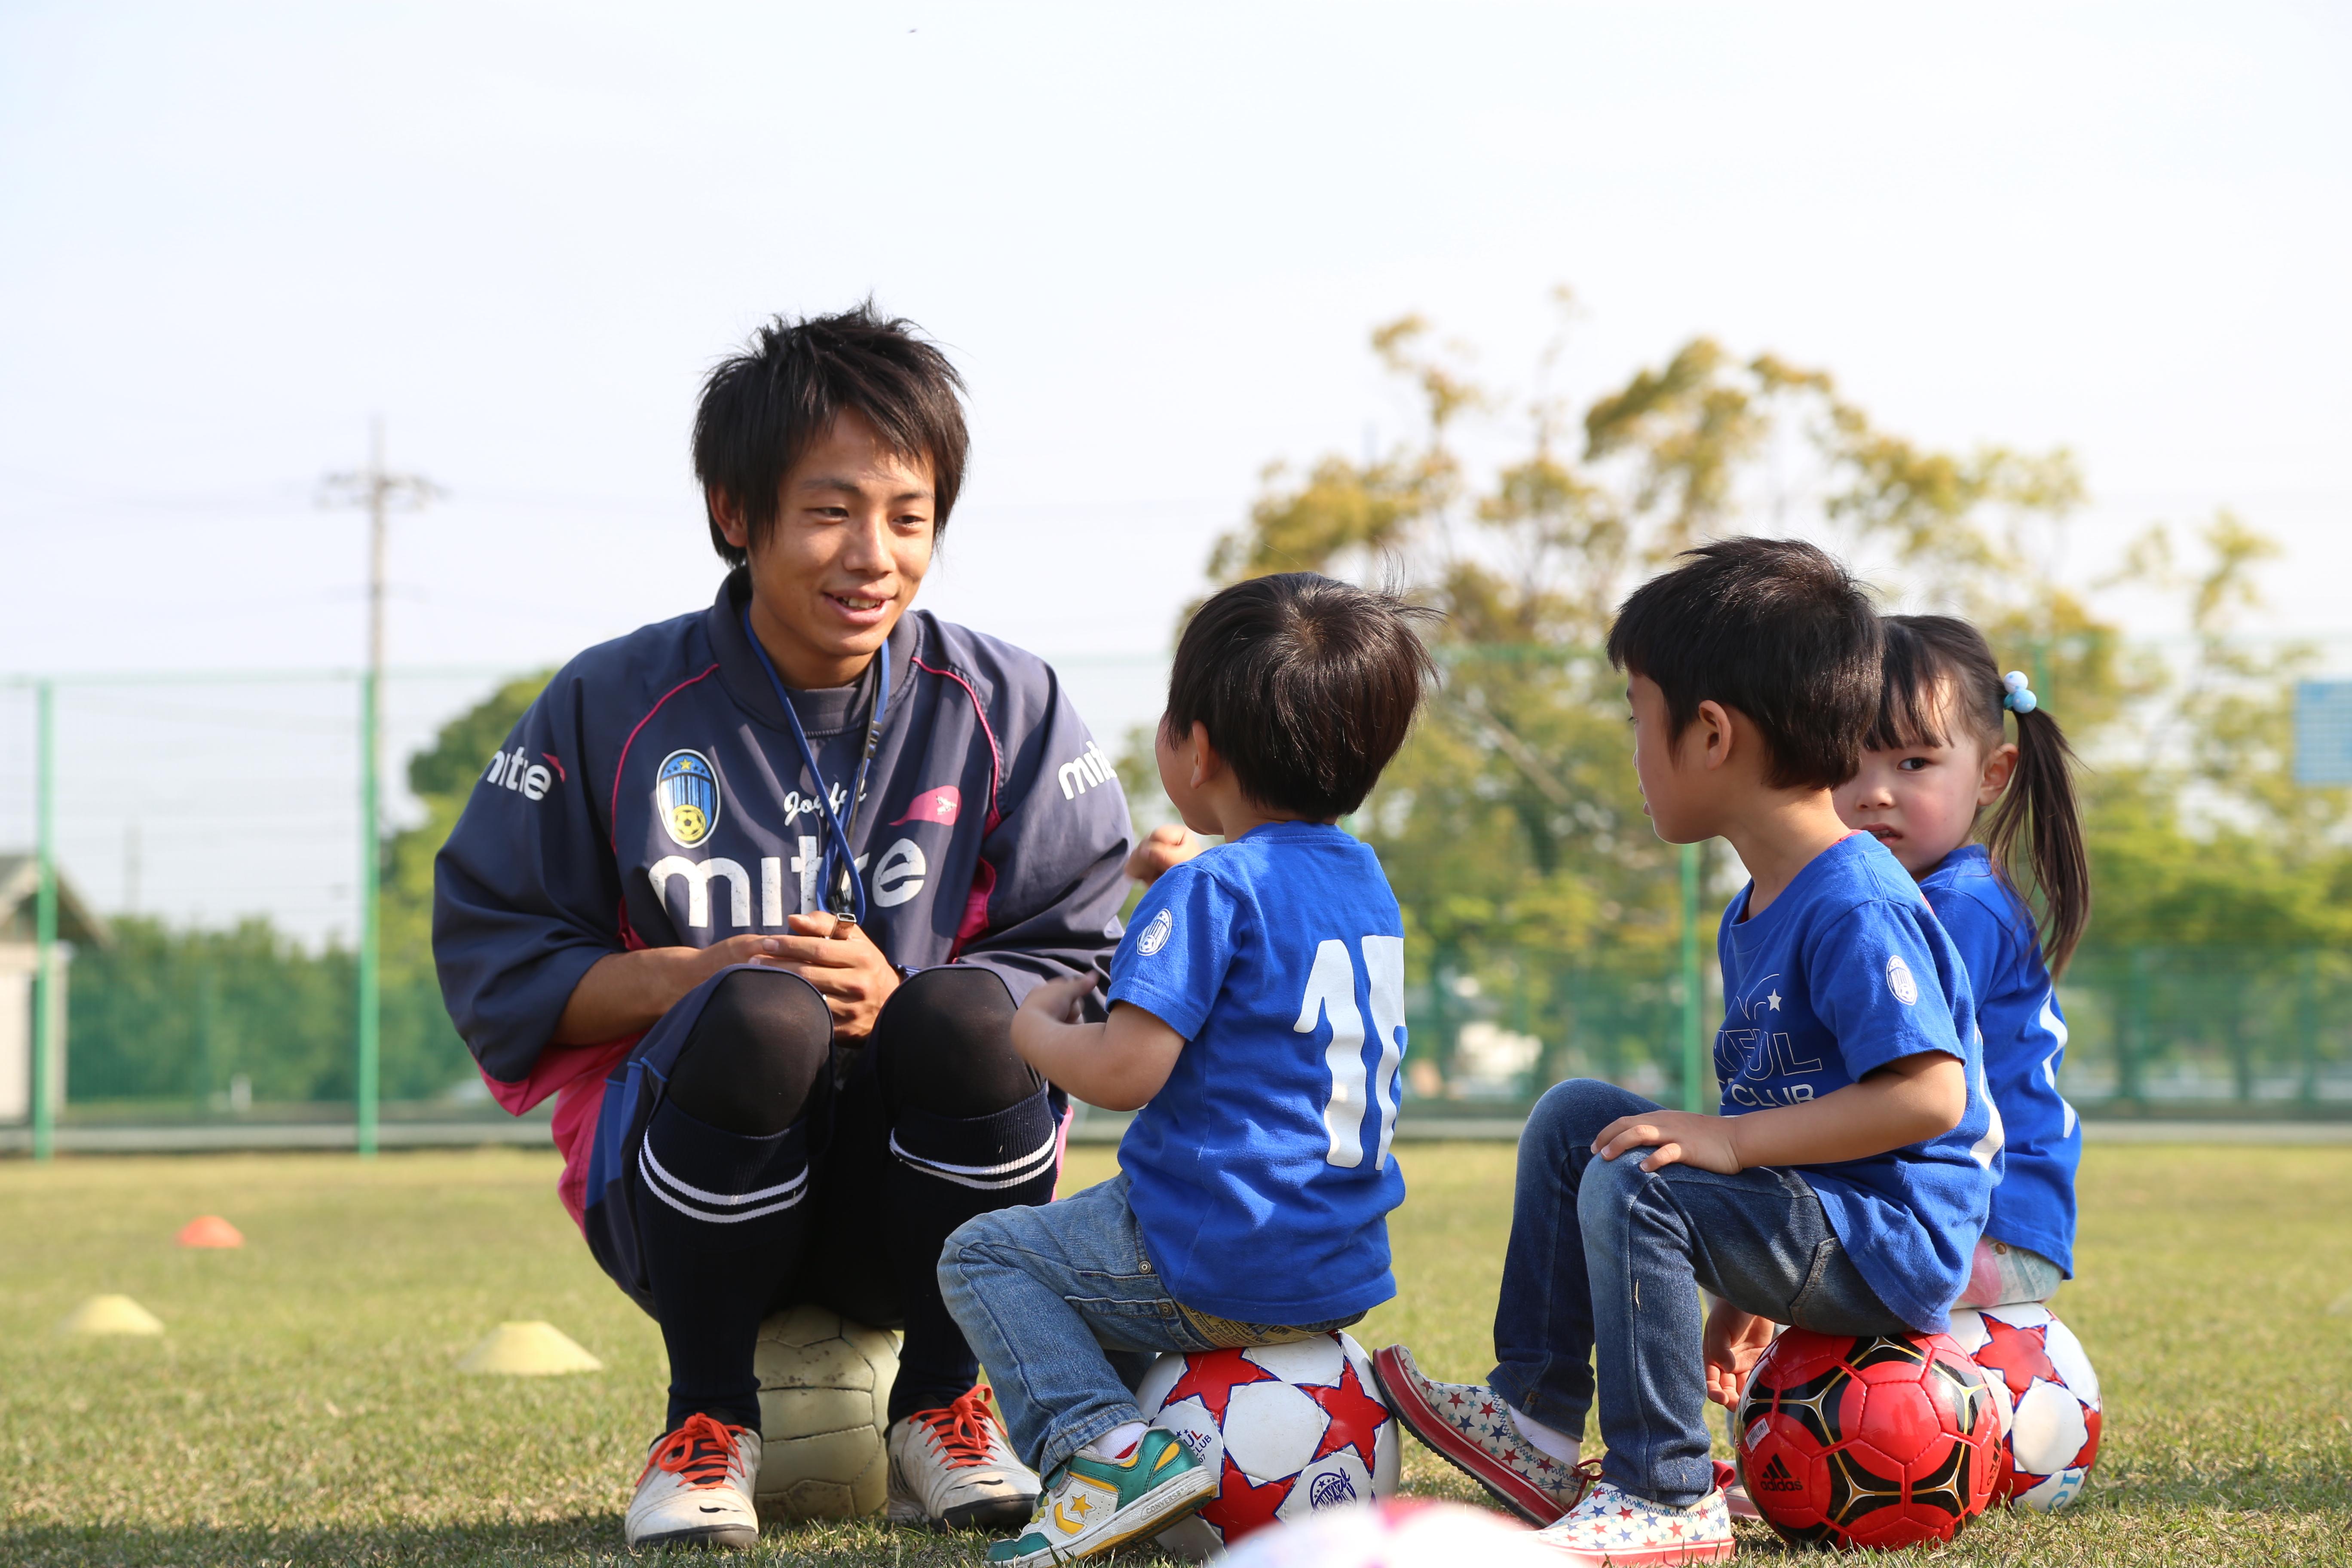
[
  {"x": 1119, "y": 1065},
  {"x": 1165, "y": 848},
  {"x": 1908, "y": 1100}
]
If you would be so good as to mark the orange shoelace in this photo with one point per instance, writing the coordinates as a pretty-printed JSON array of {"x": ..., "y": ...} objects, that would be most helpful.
[
  {"x": 961, "y": 1428},
  {"x": 700, "y": 1453}
]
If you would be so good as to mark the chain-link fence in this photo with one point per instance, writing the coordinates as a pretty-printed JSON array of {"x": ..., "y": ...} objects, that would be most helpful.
[{"x": 207, "y": 881}]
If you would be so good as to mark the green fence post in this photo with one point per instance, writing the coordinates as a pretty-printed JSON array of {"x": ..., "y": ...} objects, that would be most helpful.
[
  {"x": 370, "y": 997},
  {"x": 2308, "y": 1027},
  {"x": 2131, "y": 1039},
  {"x": 1692, "y": 1007},
  {"x": 44, "y": 918}
]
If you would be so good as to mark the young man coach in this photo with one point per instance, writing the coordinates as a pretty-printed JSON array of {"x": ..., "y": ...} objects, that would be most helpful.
[{"x": 754, "y": 892}]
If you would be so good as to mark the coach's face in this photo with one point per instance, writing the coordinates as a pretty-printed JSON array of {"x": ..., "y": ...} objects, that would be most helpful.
[{"x": 851, "y": 543}]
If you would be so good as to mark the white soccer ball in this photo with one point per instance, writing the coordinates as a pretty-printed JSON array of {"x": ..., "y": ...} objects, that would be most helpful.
[
  {"x": 1405, "y": 1532},
  {"x": 1289, "y": 1431},
  {"x": 824, "y": 1396},
  {"x": 2051, "y": 1419}
]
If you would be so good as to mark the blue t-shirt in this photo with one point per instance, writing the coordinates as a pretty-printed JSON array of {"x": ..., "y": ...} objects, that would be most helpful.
[
  {"x": 2024, "y": 1047},
  {"x": 1844, "y": 972},
  {"x": 1260, "y": 1173}
]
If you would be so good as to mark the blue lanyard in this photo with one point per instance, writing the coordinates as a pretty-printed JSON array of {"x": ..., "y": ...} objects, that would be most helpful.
[{"x": 836, "y": 837}]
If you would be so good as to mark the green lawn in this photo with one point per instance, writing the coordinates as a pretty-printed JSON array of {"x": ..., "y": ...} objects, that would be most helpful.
[{"x": 304, "y": 1407}]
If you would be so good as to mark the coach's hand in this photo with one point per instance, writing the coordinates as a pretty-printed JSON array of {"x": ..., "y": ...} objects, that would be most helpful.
[
  {"x": 623, "y": 994},
  {"x": 1680, "y": 1138},
  {"x": 1734, "y": 1340},
  {"x": 848, "y": 970}
]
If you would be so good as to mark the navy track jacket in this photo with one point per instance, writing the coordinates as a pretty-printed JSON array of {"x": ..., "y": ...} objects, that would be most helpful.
[{"x": 653, "y": 797}]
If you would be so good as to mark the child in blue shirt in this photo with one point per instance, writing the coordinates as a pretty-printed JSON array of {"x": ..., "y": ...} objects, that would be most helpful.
[
  {"x": 1845, "y": 1180},
  {"x": 1935, "y": 761},
  {"x": 1256, "y": 1026}
]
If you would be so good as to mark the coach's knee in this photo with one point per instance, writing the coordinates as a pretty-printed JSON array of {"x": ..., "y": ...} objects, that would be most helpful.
[
  {"x": 754, "y": 1057},
  {"x": 943, "y": 1044}
]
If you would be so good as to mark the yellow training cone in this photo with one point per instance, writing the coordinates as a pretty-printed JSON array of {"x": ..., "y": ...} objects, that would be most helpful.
[
  {"x": 527, "y": 1350},
  {"x": 110, "y": 1315}
]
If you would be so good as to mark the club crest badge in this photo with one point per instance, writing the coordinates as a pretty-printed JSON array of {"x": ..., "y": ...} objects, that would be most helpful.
[
  {"x": 1154, "y": 936},
  {"x": 1899, "y": 981},
  {"x": 686, "y": 798}
]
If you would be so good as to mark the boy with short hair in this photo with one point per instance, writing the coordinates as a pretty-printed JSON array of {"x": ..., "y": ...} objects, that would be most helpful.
[
  {"x": 1257, "y": 1176},
  {"x": 1843, "y": 1186}
]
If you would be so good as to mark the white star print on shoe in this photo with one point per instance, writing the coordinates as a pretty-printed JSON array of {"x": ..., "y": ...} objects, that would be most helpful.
[
  {"x": 1612, "y": 1527},
  {"x": 1468, "y": 1425}
]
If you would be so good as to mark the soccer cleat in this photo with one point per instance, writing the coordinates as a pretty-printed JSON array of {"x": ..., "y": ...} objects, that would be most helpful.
[
  {"x": 1468, "y": 1425},
  {"x": 1091, "y": 1505},
  {"x": 1735, "y": 1493},
  {"x": 695, "y": 1490},
  {"x": 953, "y": 1468},
  {"x": 1611, "y": 1528}
]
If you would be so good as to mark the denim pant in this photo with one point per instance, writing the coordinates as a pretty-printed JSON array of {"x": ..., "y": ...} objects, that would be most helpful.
[
  {"x": 1068, "y": 1316},
  {"x": 1606, "y": 1258}
]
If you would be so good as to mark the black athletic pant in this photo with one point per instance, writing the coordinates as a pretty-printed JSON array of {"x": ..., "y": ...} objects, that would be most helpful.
[{"x": 779, "y": 1170}]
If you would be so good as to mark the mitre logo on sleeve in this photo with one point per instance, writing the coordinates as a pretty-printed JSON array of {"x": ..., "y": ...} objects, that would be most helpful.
[{"x": 938, "y": 805}]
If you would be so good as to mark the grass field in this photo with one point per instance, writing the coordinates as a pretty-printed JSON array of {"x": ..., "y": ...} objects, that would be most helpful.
[{"x": 304, "y": 1407}]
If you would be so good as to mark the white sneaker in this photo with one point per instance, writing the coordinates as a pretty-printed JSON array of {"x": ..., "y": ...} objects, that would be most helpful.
[
  {"x": 1611, "y": 1528},
  {"x": 954, "y": 1469},
  {"x": 697, "y": 1487}
]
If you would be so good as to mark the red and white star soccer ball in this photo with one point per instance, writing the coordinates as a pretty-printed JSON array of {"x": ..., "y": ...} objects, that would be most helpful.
[
  {"x": 1289, "y": 1430},
  {"x": 2037, "y": 1365},
  {"x": 1404, "y": 1532}
]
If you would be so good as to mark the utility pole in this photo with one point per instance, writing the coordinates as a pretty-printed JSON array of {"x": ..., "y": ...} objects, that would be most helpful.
[{"x": 379, "y": 491}]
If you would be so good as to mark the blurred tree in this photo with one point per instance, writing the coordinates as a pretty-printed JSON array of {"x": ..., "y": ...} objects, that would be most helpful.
[
  {"x": 1511, "y": 827},
  {"x": 168, "y": 1013}
]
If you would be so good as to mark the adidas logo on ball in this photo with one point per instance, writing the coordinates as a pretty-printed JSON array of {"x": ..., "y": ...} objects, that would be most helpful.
[{"x": 1777, "y": 1478}]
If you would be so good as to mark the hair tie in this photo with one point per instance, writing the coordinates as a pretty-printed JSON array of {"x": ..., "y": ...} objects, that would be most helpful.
[{"x": 2017, "y": 696}]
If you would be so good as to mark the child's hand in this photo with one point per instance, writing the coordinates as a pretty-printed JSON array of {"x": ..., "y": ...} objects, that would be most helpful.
[
  {"x": 1060, "y": 1001},
  {"x": 1682, "y": 1138},
  {"x": 1734, "y": 1340},
  {"x": 1164, "y": 848}
]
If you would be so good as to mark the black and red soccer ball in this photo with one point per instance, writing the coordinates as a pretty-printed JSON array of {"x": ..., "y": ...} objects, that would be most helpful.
[{"x": 1867, "y": 1442}]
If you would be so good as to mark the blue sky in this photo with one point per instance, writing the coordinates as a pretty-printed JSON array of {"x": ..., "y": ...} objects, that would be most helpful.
[{"x": 1154, "y": 237}]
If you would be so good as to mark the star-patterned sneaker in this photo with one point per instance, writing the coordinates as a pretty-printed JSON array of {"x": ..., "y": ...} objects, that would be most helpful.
[
  {"x": 1091, "y": 1505},
  {"x": 696, "y": 1489},
  {"x": 1612, "y": 1527},
  {"x": 1468, "y": 1425}
]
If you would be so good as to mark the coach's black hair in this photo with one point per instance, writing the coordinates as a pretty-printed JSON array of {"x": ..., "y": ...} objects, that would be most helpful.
[
  {"x": 1940, "y": 674},
  {"x": 1773, "y": 628},
  {"x": 1306, "y": 686},
  {"x": 762, "y": 408}
]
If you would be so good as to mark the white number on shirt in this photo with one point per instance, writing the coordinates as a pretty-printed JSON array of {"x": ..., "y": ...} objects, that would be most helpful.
[
  {"x": 1331, "y": 995},
  {"x": 1996, "y": 1135}
]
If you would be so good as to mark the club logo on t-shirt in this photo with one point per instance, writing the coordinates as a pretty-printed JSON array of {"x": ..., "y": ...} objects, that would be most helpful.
[
  {"x": 685, "y": 795},
  {"x": 1899, "y": 981},
  {"x": 1154, "y": 936}
]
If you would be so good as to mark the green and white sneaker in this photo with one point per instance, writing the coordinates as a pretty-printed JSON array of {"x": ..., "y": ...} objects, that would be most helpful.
[{"x": 1091, "y": 1505}]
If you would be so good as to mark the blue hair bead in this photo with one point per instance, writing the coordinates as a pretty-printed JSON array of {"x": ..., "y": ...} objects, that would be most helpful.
[{"x": 2017, "y": 695}]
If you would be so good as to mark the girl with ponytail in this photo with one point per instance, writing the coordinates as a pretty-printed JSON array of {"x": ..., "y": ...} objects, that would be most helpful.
[{"x": 1937, "y": 764}]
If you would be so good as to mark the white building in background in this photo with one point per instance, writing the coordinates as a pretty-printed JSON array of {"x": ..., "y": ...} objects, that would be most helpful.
[{"x": 20, "y": 876}]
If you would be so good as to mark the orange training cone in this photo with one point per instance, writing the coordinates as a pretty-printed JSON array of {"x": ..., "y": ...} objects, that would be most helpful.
[{"x": 210, "y": 1230}]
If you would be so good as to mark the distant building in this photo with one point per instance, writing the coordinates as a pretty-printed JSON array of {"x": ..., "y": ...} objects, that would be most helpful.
[{"x": 77, "y": 926}]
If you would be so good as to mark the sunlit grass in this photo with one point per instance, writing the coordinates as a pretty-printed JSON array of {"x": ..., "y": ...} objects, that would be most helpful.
[{"x": 305, "y": 1406}]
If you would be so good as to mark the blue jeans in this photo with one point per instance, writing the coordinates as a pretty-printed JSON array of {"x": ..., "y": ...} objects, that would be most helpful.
[
  {"x": 1068, "y": 1316},
  {"x": 1606, "y": 1258}
]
